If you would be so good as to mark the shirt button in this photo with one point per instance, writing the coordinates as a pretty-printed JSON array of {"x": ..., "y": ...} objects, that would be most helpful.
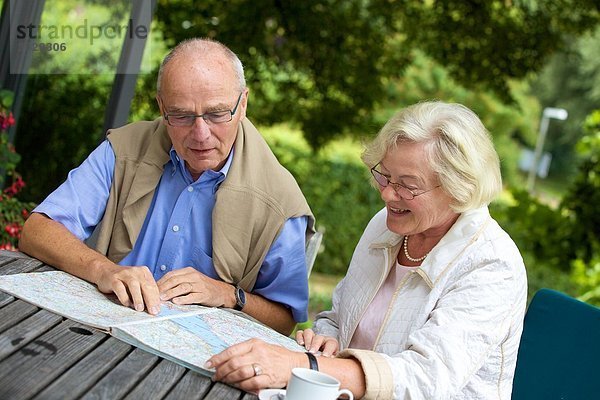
[
  {"x": 175, "y": 228},
  {"x": 163, "y": 267},
  {"x": 190, "y": 189}
]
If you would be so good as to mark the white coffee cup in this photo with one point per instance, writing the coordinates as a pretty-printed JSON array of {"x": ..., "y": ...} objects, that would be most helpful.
[{"x": 314, "y": 385}]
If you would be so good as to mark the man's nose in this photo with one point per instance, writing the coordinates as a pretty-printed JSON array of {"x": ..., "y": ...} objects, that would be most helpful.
[{"x": 200, "y": 129}]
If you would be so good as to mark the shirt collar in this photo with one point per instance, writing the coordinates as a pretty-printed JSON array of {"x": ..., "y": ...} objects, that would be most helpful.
[{"x": 178, "y": 163}]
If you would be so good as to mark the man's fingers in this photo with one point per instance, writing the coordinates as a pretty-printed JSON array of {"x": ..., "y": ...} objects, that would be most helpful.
[
  {"x": 136, "y": 295},
  {"x": 151, "y": 297},
  {"x": 176, "y": 277},
  {"x": 121, "y": 291},
  {"x": 185, "y": 288}
]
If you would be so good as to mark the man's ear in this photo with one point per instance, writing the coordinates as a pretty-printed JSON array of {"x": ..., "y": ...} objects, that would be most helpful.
[{"x": 244, "y": 102}]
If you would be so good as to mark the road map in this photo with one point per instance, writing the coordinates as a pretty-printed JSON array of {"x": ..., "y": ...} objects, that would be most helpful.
[{"x": 187, "y": 335}]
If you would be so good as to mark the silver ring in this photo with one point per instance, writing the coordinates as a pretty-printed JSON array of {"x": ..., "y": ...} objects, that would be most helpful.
[{"x": 257, "y": 369}]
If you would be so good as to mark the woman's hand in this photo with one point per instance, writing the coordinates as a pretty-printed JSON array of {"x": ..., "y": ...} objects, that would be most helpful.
[
  {"x": 254, "y": 365},
  {"x": 328, "y": 345}
]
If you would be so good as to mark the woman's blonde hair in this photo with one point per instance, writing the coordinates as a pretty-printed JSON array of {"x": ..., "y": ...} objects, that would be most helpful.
[{"x": 459, "y": 150}]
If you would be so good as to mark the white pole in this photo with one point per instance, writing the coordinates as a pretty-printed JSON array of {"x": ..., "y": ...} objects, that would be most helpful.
[
  {"x": 549, "y": 112},
  {"x": 539, "y": 146}
]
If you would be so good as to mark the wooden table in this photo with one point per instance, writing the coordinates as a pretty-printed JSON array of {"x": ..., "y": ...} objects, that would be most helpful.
[{"x": 46, "y": 356}]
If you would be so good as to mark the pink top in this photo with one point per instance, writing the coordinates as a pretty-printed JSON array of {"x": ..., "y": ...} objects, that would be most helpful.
[{"x": 369, "y": 326}]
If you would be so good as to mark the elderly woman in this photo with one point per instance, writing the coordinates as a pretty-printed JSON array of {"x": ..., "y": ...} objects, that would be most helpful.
[{"x": 433, "y": 301}]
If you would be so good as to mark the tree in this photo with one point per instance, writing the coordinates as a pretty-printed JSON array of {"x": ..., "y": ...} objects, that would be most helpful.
[
  {"x": 325, "y": 64},
  {"x": 570, "y": 80}
]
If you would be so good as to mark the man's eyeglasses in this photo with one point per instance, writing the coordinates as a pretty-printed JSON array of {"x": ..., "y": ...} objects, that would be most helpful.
[
  {"x": 400, "y": 189},
  {"x": 216, "y": 117}
]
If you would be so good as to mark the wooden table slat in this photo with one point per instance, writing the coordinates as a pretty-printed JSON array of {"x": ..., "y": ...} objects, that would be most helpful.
[
  {"x": 14, "y": 312},
  {"x": 44, "y": 356},
  {"x": 6, "y": 257},
  {"x": 222, "y": 391},
  {"x": 123, "y": 377},
  {"x": 40, "y": 362},
  {"x": 89, "y": 370},
  {"x": 21, "y": 265},
  {"x": 5, "y": 298},
  {"x": 24, "y": 332},
  {"x": 11, "y": 255},
  {"x": 158, "y": 382},
  {"x": 192, "y": 386}
]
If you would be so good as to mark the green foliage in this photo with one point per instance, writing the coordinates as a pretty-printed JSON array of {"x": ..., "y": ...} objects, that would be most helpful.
[
  {"x": 82, "y": 54},
  {"x": 13, "y": 212},
  {"x": 587, "y": 278},
  {"x": 336, "y": 185},
  {"x": 570, "y": 80},
  {"x": 486, "y": 43},
  {"x": 326, "y": 65},
  {"x": 567, "y": 238},
  {"x": 537, "y": 229},
  {"x": 315, "y": 63},
  {"x": 57, "y": 131},
  {"x": 509, "y": 124},
  {"x": 584, "y": 194}
]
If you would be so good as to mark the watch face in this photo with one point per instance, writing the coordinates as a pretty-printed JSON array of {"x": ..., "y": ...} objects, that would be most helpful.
[{"x": 240, "y": 297}]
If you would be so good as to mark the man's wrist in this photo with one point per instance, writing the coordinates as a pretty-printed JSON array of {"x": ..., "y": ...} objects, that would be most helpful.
[{"x": 240, "y": 298}]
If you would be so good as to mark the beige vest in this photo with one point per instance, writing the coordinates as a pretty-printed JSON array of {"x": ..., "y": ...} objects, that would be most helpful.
[{"x": 252, "y": 203}]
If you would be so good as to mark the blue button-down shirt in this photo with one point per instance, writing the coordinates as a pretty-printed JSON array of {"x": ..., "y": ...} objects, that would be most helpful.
[{"x": 177, "y": 231}]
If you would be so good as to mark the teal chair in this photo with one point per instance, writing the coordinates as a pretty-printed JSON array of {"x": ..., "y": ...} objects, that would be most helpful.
[{"x": 559, "y": 355}]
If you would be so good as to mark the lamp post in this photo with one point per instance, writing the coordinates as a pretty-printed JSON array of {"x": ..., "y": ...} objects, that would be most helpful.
[{"x": 549, "y": 112}]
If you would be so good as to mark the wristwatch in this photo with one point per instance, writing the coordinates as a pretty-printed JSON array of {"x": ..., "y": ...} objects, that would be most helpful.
[{"x": 240, "y": 298}]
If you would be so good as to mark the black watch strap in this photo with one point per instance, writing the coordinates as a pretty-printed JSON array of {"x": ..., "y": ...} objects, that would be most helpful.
[{"x": 312, "y": 361}]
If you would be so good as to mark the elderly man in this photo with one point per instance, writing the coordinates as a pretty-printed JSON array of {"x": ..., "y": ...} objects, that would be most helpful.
[{"x": 192, "y": 207}]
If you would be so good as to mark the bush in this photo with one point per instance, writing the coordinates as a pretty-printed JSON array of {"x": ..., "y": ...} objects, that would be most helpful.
[
  {"x": 336, "y": 186},
  {"x": 536, "y": 228},
  {"x": 13, "y": 212},
  {"x": 583, "y": 196},
  {"x": 561, "y": 246}
]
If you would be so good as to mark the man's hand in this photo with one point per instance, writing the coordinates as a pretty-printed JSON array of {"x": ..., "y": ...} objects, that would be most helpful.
[
  {"x": 189, "y": 286},
  {"x": 134, "y": 286}
]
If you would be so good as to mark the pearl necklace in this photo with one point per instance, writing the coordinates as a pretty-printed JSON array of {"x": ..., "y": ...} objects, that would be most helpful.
[{"x": 405, "y": 246}]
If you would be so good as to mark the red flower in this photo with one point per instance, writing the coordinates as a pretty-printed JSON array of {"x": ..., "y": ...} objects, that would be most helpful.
[
  {"x": 13, "y": 229},
  {"x": 6, "y": 121},
  {"x": 17, "y": 185},
  {"x": 7, "y": 246}
]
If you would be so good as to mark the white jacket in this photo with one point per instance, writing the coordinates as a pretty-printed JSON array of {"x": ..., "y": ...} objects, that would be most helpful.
[{"x": 453, "y": 327}]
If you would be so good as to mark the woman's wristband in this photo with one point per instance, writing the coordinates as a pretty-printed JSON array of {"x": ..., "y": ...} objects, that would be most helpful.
[{"x": 312, "y": 361}]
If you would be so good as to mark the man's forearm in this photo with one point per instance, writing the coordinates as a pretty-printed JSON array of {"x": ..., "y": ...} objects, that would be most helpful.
[
  {"x": 270, "y": 313},
  {"x": 50, "y": 242}
]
